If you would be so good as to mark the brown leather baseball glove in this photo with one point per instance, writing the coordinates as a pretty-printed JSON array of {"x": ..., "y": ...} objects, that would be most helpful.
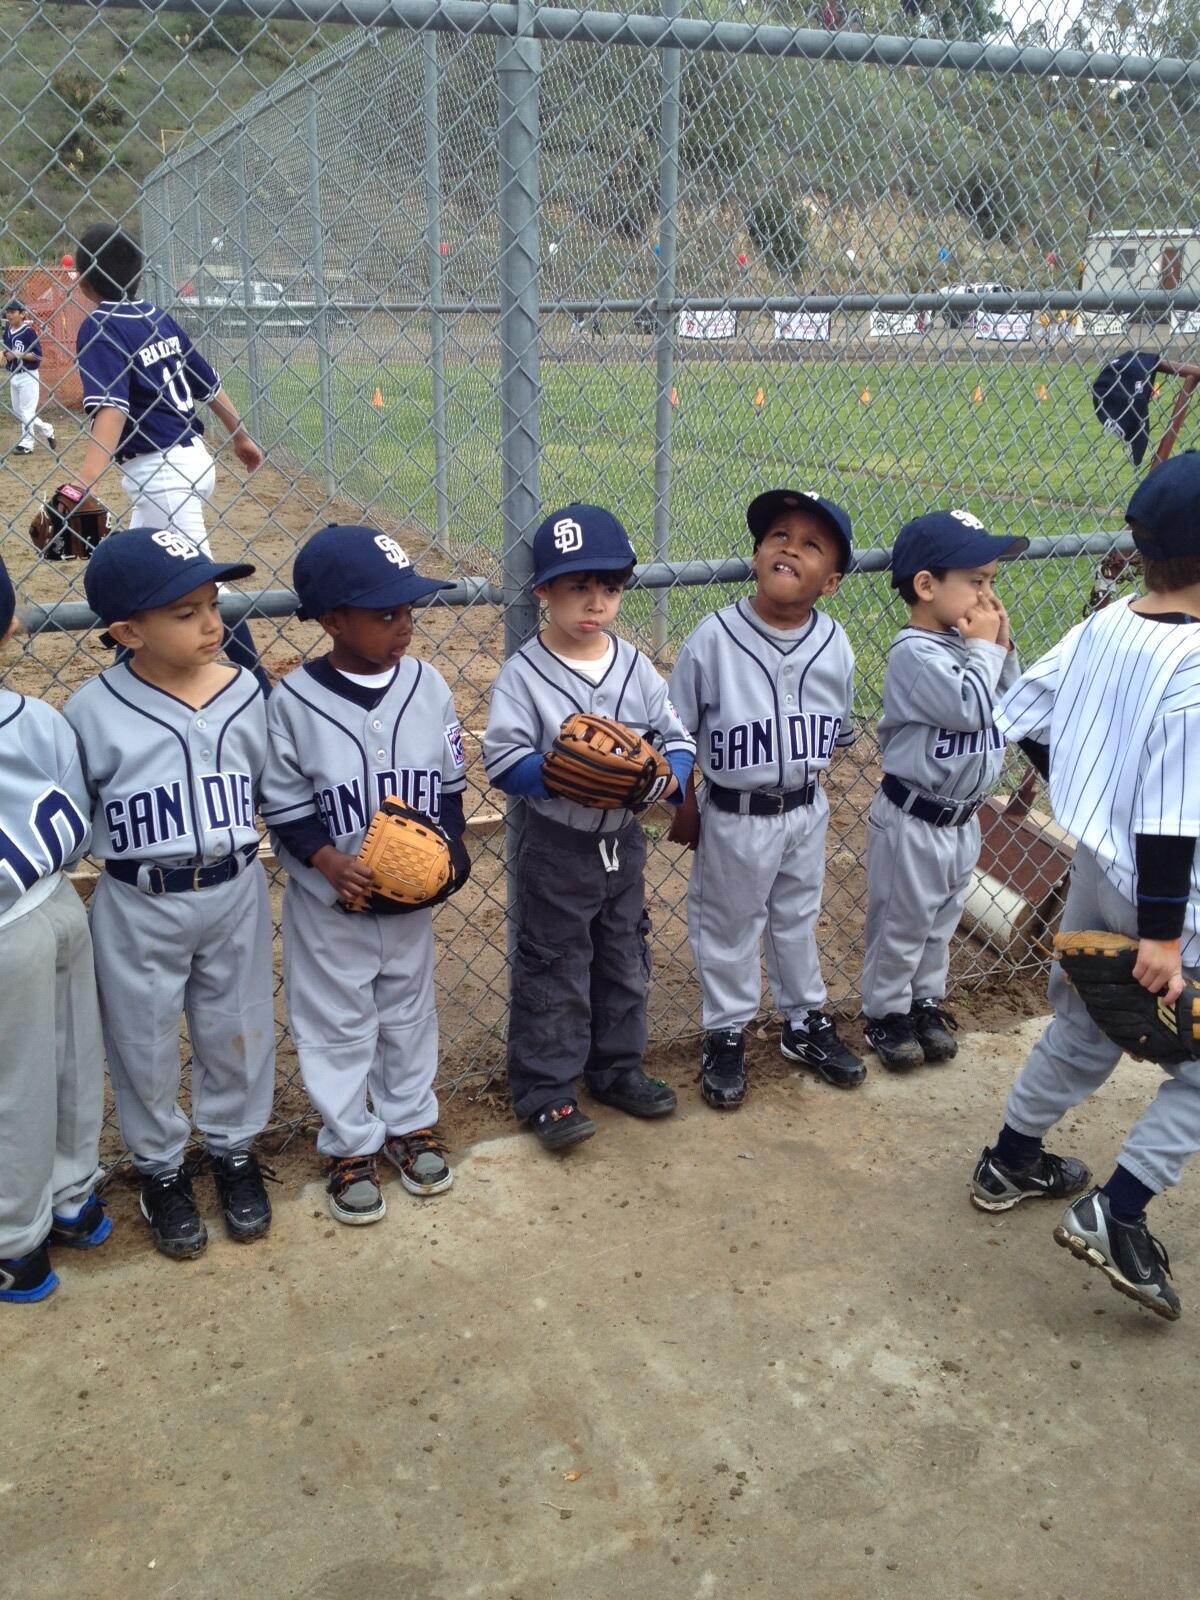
[
  {"x": 598, "y": 762},
  {"x": 1100, "y": 965},
  {"x": 411, "y": 861},
  {"x": 69, "y": 525}
]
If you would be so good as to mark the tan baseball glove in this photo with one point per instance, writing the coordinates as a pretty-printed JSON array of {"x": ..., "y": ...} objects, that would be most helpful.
[
  {"x": 69, "y": 525},
  {"x": 410, "y": 861},
  {"x": 1100, "y": 965},
  {"x": 598, "y": 762}
]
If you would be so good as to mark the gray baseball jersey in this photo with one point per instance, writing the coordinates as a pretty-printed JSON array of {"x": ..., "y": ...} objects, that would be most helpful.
[
  {"x": 359, "y": 987},
  {"x": 769, "y": 708},
  {"x": 172, "y": 785},
  {"x": 939, "y": 693},
  {"x": 535, "y": 691},
  {"x": 44, "y": 804}
]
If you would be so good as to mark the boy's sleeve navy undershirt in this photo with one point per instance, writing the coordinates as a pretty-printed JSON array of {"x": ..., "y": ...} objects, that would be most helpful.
[{"x": 1164, "y": 883}]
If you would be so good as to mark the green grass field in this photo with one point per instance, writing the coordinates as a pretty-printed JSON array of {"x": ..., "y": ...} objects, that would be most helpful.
[{"x": 973, "y": 435}]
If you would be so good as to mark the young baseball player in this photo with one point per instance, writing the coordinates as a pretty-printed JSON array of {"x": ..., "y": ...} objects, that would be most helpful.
[
  {"x": 1115, "y": 707},
  {"x": 941, "y": 754},
  {"x": 767, "y": 685},
  {"x": 51, "y": 1054},
  {"x": 365, "y": 722},
  {"x": 578, "y": 997},
  {"x": 173, "y": 743},
  {"x": 23, "y": 360},
  {"x": 142, "y": 377}
]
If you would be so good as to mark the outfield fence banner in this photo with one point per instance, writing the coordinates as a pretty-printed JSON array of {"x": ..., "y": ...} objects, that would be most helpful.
[{"x": 459, "y": 263}]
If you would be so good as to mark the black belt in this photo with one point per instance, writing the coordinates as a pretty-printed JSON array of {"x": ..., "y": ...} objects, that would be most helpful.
[
  {"x": 760, "y": 802},
  {"x": 181, "y": 880},
  {"x": 941, "y": 813}
]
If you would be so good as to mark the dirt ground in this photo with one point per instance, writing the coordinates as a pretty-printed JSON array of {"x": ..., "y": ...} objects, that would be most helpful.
[{"x": 769, "y": 1353}]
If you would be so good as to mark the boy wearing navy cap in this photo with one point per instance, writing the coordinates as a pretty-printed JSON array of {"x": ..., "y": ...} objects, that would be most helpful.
[
  {"x": 348, "y": 730},
  {"x": 1113, "y": 713},
  {"x": 51, "y": 1054},
  {"x": 940, "y": 754},
  {"x": 142, "y": 377},
  {"x": 22, "y": 361},
  {"x": 173, "y": 743},
  {"x": 767, "y": 685},
  {"x": 582, "y": 958}
]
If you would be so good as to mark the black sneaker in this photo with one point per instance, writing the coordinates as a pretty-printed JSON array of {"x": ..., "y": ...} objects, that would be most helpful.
[
  {"x": 636, "y": 1094},
  {"x": 354, "y": 1195},
  {"x": 420, "y": 1159},
  {"x": 894, "y": 1040},
  {"x": 817, "y": 1045},
  {"x": 933, "y": 1027},
  {"x": 558, "y": 1127},
  {"x": 169, "y": 1206},
  {"x": 723, "y": 1069},
  {"x": 84, "y": 1232},
  {"x": 25, "y": 1279},
  {"x": 242, "y": 1193},
  {"x": 1127, "y": 1253},
  {"x": 995, "y": 1187}
]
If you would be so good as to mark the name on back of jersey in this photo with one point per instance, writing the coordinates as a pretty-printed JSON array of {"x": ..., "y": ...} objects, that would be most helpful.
[
  {"x": 807, "y": 736},
  {"x": 159, "y": 350},
  {"x": 346, "y": 810},
  {"x": 952, "y": 745},
  {"x": 158, "y": 815}
]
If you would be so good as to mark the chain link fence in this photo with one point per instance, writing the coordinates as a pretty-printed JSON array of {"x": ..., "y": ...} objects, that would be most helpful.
[{"x": 460, "y": 262}]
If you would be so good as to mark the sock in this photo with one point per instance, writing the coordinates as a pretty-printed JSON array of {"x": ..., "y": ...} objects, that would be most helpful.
[
  {"x": 1128, "y": 1196},
  {"x": 1016, "y": 1150},
  {"x": 72, "y": 1212}
]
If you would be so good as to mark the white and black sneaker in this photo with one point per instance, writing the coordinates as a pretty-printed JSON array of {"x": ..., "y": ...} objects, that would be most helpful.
[
  {"x": 995, "y": 1187},
  {"x": 1127, "y": 1253},
  {"x": 723, "y": 1069},
  {"x": 817, "y": 1045},
  {"x": 168, "y": 1205},
  {"x": 245, "y": 1205},
  {"x": 894, "y": 1040},
  {"x": 935, "y": 1028}
]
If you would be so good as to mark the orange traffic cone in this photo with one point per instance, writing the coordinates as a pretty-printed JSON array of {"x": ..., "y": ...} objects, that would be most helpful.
[
  {"x": 1041, "y": 392},
  {"x": 977, "y": 394},
  {"x": 760, "y": 398},
  {"x": 864, "y": 398},
  {"x": 674, "y": 397},
  {"x": 378, "y": 399}
]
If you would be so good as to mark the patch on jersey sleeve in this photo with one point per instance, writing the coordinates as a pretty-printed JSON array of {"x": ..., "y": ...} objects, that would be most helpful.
[{"x": 454, "y": 740}]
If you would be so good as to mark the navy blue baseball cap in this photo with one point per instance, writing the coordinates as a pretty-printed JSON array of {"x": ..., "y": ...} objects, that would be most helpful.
[
  {"x": 580, "y": 538},
  {"x": 953, "y": 540},
  {"x": 8, "y": 600},
  {"x": 141, "y": 568},
  {"x": 1166, "y": 508},
  {"x": 1121, "y": 398},
  {"x": 346, "y": 564},
  {"x": 763, "y": 510},
  {"x": 14, "y": 305}
]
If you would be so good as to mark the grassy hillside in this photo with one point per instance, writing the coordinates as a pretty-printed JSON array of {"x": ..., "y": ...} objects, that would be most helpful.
[{"x": 89, "y": 100}]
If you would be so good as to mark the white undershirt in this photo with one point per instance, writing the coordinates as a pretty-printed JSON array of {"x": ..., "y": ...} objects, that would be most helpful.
[
  {"x": 369, "y": 680},
  {"x": 593, "y": 671}
]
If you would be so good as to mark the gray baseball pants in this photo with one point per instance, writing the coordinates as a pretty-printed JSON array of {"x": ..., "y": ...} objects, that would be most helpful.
[
  {"x": 364, "y": 1019},
  {"x": 582, "y": 961},
  {"x": 206, "y": 954},
  {"x": 917, "y": 879},
  {"x": 51, "y": 1069},
  {"x": 1073, "y": 1058},
  {"x": 758, "y": 878}
]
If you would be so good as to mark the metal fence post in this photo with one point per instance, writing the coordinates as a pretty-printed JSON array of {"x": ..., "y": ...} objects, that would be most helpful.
[
  {"x": 518, "y": 66},
  {"x": 664, "y": 319},
  {"x": 437, "y": 321},
  {"x": 320, "y": 299},
  {"x": 242, "y": 178}
]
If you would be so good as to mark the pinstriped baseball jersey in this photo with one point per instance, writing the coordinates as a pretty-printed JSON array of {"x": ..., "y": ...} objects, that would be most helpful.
[
  {"x": 330, "y": 756},
  {"x": 43, "y": 799},
  {"x": 169, "y": 783},
  {"x": 937, "y": 733},
  {"x": 1118, "y": 702},
  {"x": 535, "y": 691},
  {"x": 769, "y": 707}
]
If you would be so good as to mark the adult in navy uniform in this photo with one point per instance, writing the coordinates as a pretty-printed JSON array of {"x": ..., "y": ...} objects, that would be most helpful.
[{"x": 142, "y": 377}]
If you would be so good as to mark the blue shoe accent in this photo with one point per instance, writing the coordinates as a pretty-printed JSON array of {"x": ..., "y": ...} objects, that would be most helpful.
[
  {"x": 84, "y": 1232},
  {"x": 25, "y": 1279}
]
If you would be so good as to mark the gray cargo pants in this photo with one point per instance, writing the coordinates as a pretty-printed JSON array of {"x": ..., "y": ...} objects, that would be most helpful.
[{"x": 582, "y": 961}]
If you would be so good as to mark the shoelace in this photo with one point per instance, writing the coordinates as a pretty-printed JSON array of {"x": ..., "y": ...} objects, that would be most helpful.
[
  {"x": 172, "y": 1195},
  {"x": 946, "y": 1018},
  {"x": 347, "y": 1170},
  {"x": 245, "y": 1173},
  {"x": 817, "y": 1022},
  {"x": 421, "y": 1140}
]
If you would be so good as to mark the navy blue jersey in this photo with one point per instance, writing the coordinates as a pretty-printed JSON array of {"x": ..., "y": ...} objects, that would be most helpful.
[
  {"x": 22, "y": 338},
  {"x": 138, "y": 359}
]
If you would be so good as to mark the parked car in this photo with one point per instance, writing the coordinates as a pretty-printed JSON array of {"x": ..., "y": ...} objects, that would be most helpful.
[{"x": 966, "y": 319}]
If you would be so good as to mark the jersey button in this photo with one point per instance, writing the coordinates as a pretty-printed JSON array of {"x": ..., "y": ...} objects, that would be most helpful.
[
  {"x": 381, "y": 754},
  {"x": 377, "y": 726},
  {"x": 791, "y": 699},
  {"x": 200, "y": 722}
]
